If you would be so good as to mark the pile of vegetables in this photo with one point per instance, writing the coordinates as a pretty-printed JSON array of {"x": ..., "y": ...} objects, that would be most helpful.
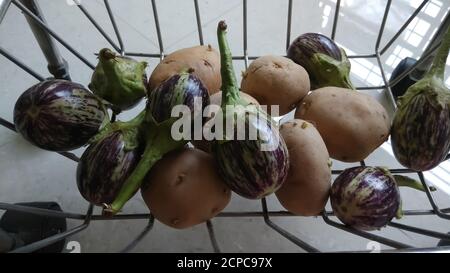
[
  {"x": 352, "y": 124},
  {"x": 185, "y": 182}
]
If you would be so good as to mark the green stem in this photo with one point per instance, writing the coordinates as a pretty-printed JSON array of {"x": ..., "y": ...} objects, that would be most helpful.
[
  {"x": 438, "y": 67},
  {"x": 119, "y": 126},
  {"x": 133, "y": 183},
  {"x": 158, "y": 143},
  {"x": 136, "y": 121},
  {"x": 405, "y": 181},
  {"x": 106, "y": 59},
  {"x": 230, "y": 89}
]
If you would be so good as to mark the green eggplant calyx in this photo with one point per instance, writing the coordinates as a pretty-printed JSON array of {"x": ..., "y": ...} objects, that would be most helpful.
[
  {"x": 437, "y": 93},
  {"x": 331, "y": 72},
  {"x": 119, "y": 80},
  {"x": 405, "y": 181},
  {"x": 162, "y": 132},
  {"x": 230, "y": 89},
  {"x": 130, "y": 131},
  {"x": 432, "y": 84},
  {"x": 158, "y": 143}
]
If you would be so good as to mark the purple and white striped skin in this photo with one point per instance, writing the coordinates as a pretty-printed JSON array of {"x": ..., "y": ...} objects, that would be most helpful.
[
  {"x": 180, "y": 89},
  {"x": 246, "y": 164},
  {"x": 305, "y": 46},
  {"x": 104, "y": 168},
  {"x": 247, "y": 169},
  {"x": 58, "y": 115},
  {"x": 421, "y": 126},
  {"x": 366, "y": 198},
  {"x": 325, "y": 62},
  {"x": 421, "y": 132}
]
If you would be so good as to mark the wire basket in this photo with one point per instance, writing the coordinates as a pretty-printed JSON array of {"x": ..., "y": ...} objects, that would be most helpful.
[{"x": 48, "y": 39}]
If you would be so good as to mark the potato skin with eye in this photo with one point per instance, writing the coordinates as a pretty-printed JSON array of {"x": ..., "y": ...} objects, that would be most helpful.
[
  {"x": 352, "y": 124},
  {"x": 276, "y": 80},
  {"x": 308, "y": 185},
  {"x": 204, "y": 60},
  {"x": 184, "y": 189}
]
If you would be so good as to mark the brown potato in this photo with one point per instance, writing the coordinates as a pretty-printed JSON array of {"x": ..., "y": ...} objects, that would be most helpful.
[
  {"x": 352, "y": 124},
  {"x": 184, "y": 189},
  {"x": 276, "y": 80},
  {"x": 308, "y": 184},
  {"x": 204, "y": 60},
  {"x": 216, "y": 99}
]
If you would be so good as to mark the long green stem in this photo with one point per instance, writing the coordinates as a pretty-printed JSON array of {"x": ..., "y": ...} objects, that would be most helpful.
[
  {"x": 405, "y": 181},
  {"x": 230, "y": 89},
  {"x": 119, "y": 126},
  {"x": 133, "y": 183},
  {"x": 438, "y": 67},
  {"x": 158, "y": 143},
  {"x": 136, "y": 121}
]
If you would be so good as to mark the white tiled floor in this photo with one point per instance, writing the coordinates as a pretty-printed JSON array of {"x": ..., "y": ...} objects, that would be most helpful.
[{"x": 30, "y": 174}]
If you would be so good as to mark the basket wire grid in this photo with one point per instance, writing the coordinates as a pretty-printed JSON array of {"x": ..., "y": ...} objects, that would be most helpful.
[{"x": 57, "y": 66}]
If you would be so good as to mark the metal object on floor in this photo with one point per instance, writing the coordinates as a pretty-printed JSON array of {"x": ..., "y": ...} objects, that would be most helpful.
[
  {"x": 46, "y": 36},
  {"x": 4, "y": 5},
  {"x": 57, "y": 66}
]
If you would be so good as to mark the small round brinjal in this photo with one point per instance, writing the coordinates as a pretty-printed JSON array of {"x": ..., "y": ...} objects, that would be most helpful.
[
  {"x": 421, "y": 127},
  {"x": 179, "y": 90},
  {"x": 326, "y": 63},
  {"x": 119, "y": 80},
  {"x": 58, "y": 115},
  {"x": 247, "y": 167},
  {"x": 104, "y": 167},
  {"x": 368, "y": 198},
  {"x": 365, "y": 198}
]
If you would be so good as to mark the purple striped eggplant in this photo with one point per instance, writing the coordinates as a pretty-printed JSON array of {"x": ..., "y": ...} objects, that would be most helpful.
[
  {"x": 368, "y": 198},
  {"x": 105, "y": 165},
  {"x": 181, "y": 89},
  {"x": 58, "y": 115},
  {"x": 325, "y": 62},
  {"x": 421, "y": 126},
  {"x": 119, "y": 80},
  {"x": 247, "y": 168}
]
